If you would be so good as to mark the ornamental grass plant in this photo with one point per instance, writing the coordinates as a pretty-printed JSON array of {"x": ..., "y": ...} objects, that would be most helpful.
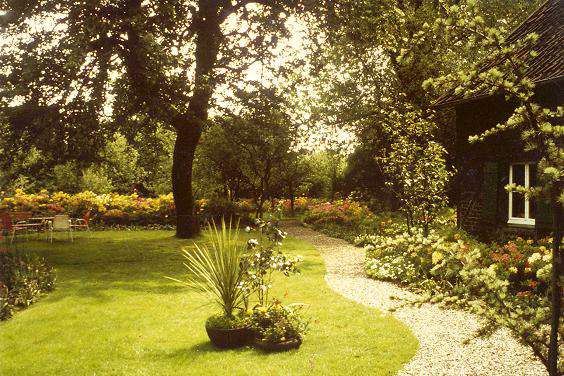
[{"x": 216, "y": 270}]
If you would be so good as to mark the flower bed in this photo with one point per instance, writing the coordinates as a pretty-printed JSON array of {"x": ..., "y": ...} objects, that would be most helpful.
[
  {"x": 444, "y": 262},
  {"x": 346, "y": 219},
  {"x": 507, "y": 284},
  {"x": 107, "y": 209},
  {"x": 117, "y": 211}
]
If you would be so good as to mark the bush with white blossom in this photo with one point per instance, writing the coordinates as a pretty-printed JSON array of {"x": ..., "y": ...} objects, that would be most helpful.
[
  {"x": 262, "y": 258},
  {"x": 458, "y": 271}
]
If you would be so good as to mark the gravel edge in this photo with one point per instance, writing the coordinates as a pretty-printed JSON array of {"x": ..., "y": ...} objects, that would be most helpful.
[{"x": 441, "y": 332}]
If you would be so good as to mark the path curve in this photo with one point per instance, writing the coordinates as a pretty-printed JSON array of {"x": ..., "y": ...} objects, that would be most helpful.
[{"x": 440, "y": 332}]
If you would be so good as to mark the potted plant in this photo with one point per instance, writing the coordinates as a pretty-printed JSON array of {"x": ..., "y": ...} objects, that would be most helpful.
[
  {"x": 217, "y": 271},
  {"x": 278, "y": 327}
]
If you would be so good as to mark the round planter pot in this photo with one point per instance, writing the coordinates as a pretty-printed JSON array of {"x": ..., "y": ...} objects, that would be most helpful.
[
  {"x": 230, "y": 338},
  {"x": 279, "y": 346}
]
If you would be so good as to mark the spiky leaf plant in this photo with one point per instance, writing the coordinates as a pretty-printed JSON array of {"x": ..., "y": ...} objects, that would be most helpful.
[{"x": 216, "y": 269}]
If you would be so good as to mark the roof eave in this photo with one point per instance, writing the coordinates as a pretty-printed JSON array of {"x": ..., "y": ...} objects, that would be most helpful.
[{"x": 457, "y": 102}]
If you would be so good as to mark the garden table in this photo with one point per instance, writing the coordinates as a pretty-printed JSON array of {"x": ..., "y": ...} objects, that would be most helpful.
[
  {"x": 38, "y": 224},
  {"x": 41, "y": 219}
]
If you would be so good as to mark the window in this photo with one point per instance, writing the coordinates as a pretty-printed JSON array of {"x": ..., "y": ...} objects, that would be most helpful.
[{"x": 521, "y": 208}]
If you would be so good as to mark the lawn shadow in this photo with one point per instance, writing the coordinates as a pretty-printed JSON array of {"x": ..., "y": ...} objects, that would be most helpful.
[{"x": 199, "y": 349}]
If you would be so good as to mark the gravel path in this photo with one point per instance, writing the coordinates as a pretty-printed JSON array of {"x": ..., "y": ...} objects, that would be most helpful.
[{"x": 440, "y": 332}]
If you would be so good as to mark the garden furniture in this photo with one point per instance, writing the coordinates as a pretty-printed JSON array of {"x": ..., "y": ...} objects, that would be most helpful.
[
  {"x": 25, "y": 219},
  {"x": 20, "y": 217},
  {"x": 41, "y": 219},
  {"x": 9, "y": 228},
  {"x": 40, "y": 224},
  {"x": 60, "y": 222},
  {"x": 82, "y": 223}
]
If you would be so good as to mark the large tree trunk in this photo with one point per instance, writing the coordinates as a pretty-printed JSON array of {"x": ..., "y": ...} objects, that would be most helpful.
[
  {"x": 556, "y": 301},
  {"x": 189, "y": 125},
  {"x": 184, "y": 148}
]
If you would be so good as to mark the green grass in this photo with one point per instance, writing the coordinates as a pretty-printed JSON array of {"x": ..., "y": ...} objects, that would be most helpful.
[{"x": 114, "y": 313}]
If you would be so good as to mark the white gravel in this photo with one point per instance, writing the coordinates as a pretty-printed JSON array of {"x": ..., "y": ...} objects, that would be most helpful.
[{"x": 440, "y": 332}]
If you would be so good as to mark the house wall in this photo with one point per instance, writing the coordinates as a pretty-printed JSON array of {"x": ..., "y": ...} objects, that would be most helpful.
[{"x": 483, "y": 168}]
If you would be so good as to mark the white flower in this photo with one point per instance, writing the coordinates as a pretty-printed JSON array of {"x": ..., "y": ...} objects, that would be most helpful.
[
  {"x": 247, "y": 229},
  {"x": 534, "y": 258}
]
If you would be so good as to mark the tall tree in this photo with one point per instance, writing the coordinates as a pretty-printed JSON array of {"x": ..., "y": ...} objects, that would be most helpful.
[
  {"x": 74, "y": 72},
  {"x": 368, "y": 61}
]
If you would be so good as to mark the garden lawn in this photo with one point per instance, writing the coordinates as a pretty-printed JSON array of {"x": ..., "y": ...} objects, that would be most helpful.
[{"x": 114, "y": 313}]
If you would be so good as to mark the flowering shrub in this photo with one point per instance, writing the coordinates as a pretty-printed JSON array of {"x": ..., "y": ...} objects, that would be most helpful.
[
  {"x": 262, "y": 258},
  {"x": 415, "y": 259},
  {"x": 107, "y": 209},
  {"x": 130, "y": 210},
  {"x": 22, "y": 280},
  {"x": 277, "y": 323},
  {"x": 341, "y": 218},
  {"x": 346, "y": 219},
  {"x": 341, "y": 212},
  {"x": 507, "y": 284},
  {"x": 524, "y": 263},
  {"x": 301, "y": 205},
  {"x": 437, "y": 261}
]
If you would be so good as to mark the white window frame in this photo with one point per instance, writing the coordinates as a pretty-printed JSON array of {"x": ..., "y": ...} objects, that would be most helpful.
[{"x": 527, "y": 221}]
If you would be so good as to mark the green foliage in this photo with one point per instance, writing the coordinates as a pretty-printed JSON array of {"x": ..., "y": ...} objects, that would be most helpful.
[
  {"x": 23, "y": 279},
  {"x": 250, "y": 154},
  {"x": 155, "y": 151},
  {"x": 216, "y": 270},
  {"x": 416, "y": 169},
  {"x": 119, "y": 166},
  {"x": 95, "y": 179},
  {"x": 221, "y": 321}
]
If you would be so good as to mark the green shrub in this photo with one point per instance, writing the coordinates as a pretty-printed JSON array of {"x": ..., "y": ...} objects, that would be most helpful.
[
  {"x": 221, "y": 321},
  {"x": 216, "y": 209},
  {"x": 23, "y": 278}
]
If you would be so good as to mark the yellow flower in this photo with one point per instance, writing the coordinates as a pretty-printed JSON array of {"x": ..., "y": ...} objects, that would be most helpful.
[
  {"x": 262, "y": 309},
  {"x": 436, "y": 257},
  {"x": 250, "y": 311}
]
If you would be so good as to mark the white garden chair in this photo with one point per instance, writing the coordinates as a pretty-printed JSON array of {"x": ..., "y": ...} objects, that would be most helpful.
[{"x": 61, "y": 222}]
